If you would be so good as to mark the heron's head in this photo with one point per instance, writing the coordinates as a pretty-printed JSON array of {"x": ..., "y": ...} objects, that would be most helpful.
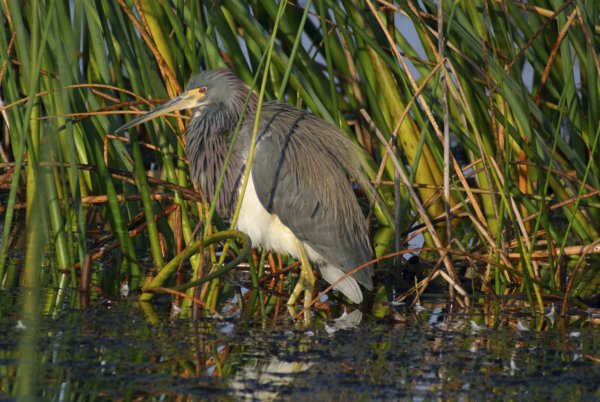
[{"x": 218, "y": 88}]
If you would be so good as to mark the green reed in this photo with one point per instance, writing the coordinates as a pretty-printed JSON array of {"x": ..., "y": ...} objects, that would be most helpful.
[{"x": 514, "y": 87}]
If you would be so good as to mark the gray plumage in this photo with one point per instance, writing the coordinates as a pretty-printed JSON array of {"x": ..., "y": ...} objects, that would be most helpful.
[{"x": 299, "y": 174}]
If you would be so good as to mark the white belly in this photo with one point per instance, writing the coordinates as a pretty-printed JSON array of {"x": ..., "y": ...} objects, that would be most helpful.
[{"x": 266, "y": 230}]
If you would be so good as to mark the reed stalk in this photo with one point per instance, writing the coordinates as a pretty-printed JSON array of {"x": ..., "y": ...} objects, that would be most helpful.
[{"x": 502, "y": 97}]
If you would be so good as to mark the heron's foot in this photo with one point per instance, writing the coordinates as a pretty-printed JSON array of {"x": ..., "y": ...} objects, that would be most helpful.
[{"x": 306, "y": 284}]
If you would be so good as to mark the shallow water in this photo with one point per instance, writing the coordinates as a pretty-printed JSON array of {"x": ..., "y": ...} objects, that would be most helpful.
[{"x": 121, "y": 351}]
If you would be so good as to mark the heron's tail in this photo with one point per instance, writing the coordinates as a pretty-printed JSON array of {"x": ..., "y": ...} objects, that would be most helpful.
[{"x": 349, "y": 286}]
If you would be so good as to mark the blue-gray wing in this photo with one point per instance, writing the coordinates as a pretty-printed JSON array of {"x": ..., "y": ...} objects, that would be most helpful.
[{"x": 300, "y": 174}]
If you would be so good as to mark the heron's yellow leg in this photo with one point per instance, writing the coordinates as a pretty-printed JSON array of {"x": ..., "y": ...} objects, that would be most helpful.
[
  {"x": 306, "y": 284},
  {"x": 297, "y": 289}
]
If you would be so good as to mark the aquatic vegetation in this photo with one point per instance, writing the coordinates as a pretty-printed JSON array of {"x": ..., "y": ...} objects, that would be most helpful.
[{"x": 479, "y": 122}]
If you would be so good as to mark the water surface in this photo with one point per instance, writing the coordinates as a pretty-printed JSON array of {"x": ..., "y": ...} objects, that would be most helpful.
[{"x": 121, "y": 351}]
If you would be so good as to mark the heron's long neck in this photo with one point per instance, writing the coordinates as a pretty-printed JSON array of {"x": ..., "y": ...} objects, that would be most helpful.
[
  {"x": 208, "y": 138},
  {"x": 236, "y": 107}
]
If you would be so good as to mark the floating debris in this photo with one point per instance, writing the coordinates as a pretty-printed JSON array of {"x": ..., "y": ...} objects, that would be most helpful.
[
  {"x": 345, "y": 321},
  {"x": 476, "y": 327},
  {"x": 522, "y": 327}
]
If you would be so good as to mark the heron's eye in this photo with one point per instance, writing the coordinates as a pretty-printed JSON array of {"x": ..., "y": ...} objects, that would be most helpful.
[{"x": 202, "y": 90}]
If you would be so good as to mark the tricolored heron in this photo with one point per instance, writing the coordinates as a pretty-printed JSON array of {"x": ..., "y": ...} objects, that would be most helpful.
[{"x": 299, "y": 199}]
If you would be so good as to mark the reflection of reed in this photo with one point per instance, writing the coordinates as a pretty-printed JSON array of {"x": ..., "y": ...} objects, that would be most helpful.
[{"x": 435, "y": 353}]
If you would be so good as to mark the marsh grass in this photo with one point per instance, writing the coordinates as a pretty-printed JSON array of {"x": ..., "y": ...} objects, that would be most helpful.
[{"x": 480, "y": 130}]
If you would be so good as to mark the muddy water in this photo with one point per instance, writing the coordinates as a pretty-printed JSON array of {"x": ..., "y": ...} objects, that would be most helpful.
[{"x": 121, "y": 351}]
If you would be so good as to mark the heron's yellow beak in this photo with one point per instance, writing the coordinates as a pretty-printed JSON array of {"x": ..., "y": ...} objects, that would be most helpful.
[{"x": 186, "y": 100}]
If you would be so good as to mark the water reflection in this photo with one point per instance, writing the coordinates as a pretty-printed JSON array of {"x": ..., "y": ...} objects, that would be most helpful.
[
  {"x": 266, "y": 380},
  {"x": 120, "y": 351}
]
